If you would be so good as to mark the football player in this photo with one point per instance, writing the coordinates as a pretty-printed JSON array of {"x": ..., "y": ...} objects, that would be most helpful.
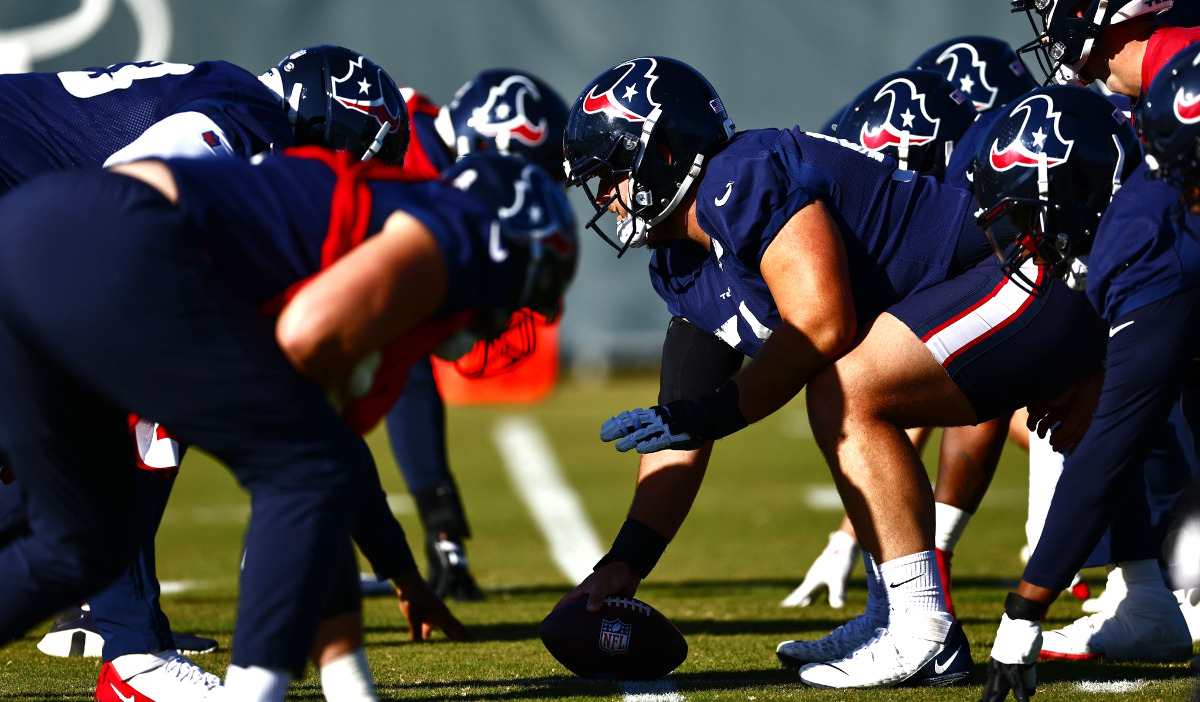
[
  {"x": 1143, "y": 277},
  {"x": 126, "y": 111},
  {"x": 1123, "y": 45},
  {"x": 772, "y": 243},
  {"x": 499, "y": 110},
  {"x": 989, "y": 72},
  {"x": 357, "y": 269}
]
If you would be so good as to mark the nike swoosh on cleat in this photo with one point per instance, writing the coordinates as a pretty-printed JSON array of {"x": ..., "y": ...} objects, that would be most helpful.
[
  {"x": 1113, "y": 332},
  {"x": 130, "y": 698},
  {"x": 903, "y": 582},
  {"x": 940, "y": 668}
]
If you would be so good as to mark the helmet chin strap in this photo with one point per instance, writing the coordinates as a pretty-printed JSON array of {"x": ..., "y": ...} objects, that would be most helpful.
[{"x": 905, "y": 140}]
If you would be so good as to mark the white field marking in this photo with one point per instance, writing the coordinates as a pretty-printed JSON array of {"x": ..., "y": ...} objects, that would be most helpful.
[
  {"x": 1111, "y": 685},
  {"x": 555, "y": 507},
  {"x": 401, "y": 503},
  {"x": 654, "y": 691},
  {"x": 174, "y": 587},
  {"x": 823, "y": 498}
]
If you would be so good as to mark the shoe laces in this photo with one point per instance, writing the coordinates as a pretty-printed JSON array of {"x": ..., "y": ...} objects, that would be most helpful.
[
  {"x": 186, "y": 671},
  {"x": 837, "y": 640}
]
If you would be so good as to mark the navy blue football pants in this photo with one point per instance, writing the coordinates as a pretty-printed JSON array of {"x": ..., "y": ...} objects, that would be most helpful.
[
  {"x": 110, "y": 304},
  {"x": 1171, "y": 468},
  {"x": 416, "y": 427},
  {"x": 1146, "y": 370}
]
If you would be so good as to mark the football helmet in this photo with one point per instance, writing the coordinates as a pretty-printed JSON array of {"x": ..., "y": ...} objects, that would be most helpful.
[
  {"x": 339, "y": 99},
  {"x": 913, "y": 116},
  {"x": 1044, "y": 173},
  {"x": 534, "y": 237},
  {"x": 1069, "y": 29},
  {"x": 508, "y": 111},
  {"x": 986, "y": 70},
  {"x": 652, "y": 120},
  {"x": 1170, "y": 122}
]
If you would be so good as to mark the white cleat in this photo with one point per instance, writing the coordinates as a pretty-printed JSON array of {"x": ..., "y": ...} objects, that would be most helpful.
[
  {"x": 157, "y": 677},
  {"x": 891, "y": 657},
  {"x": 837, "y": 644},
  {"x": 1146, "y": 624}
]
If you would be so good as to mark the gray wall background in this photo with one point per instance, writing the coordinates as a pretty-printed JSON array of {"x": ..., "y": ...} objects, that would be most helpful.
[{"x": 775, "y": 63}]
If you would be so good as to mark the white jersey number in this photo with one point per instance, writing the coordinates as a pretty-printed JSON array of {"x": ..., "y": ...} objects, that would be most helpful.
[{"x": 86, "y": 84}]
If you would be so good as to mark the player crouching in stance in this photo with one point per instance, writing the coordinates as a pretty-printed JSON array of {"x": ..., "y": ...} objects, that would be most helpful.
[
  {"x": 263, "y": 312},
  {"x": 1144, "y": 281},
  {"x": 775, "y": 244}
]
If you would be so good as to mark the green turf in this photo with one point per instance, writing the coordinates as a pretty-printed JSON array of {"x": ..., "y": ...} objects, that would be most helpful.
[{"x": 749, "y": 540}]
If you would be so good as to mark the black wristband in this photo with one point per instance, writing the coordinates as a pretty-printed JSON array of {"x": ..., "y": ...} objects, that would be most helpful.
[
  {"x": 637, "y": 546},
  {"x": 713, "y": 416},
  {"x": 1017, "y": 607}
]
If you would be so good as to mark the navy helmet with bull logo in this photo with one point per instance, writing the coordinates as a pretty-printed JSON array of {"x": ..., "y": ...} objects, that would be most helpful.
[
  {"x": 339, "y": 99},
  {"x": 985, "y": 69},
  {"x": 1044, "y": 174},
  {"x": 916, "y": 117},
  {"x": 506, "y": 111},
  {"x": 653, "y": 120}
]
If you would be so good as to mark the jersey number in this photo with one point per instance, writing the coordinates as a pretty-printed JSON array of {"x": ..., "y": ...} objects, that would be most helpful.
[{"x": 86, "y": 84}]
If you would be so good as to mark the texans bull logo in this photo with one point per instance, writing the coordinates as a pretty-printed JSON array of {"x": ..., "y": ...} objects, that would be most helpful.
[
  {"x": 624, "y": 91},
  {"x": 1187, "y": 107},
  {"x": 1037, "y": 138},
  {"x": 904, "y": 98},
  {"x": 506, "y": 111},
  {"x": 361, "y": 90},
  {"x": 527, "y": 213},
  {"x": 969, "y": 73}
]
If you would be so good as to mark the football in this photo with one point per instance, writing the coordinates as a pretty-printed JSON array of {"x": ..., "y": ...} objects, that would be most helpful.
[{"x": 626, "y": 640}]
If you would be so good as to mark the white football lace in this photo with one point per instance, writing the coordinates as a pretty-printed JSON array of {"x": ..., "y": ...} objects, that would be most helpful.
[{"x": 183, "y": 669}]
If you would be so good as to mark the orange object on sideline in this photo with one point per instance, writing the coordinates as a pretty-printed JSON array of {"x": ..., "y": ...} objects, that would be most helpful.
[{"x": 530, "y": 380}]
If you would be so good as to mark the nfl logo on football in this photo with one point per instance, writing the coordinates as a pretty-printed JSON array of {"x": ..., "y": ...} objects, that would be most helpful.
[{"x": 614, "y": 636}]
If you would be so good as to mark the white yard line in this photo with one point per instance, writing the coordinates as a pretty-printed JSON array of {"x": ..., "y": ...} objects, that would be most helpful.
[
  {"x": 654, "y": 691},
  {"x": 555, "y": 507},
  {"x": 1110, "y": 686}
]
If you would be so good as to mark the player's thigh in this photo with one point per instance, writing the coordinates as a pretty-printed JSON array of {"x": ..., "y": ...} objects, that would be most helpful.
[{"x": 888, "y": 375}]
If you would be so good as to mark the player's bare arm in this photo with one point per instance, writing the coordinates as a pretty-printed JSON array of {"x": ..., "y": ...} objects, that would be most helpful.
[
  {"x": 379, "y": 290},
  {"x": 154, "y": 173},
  {"x": 805, "y": 268}
]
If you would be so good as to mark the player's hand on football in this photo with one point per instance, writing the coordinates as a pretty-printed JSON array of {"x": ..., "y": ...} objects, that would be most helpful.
[
  {"x": 1013, "y": 663},
  {"x": 649, "y": 430},
  {"x": 1067, "y": 415},
  {"x": 613, "y": 578},
  {"x": 424, "y": 610},
  {"x": 829, "y": 572}
]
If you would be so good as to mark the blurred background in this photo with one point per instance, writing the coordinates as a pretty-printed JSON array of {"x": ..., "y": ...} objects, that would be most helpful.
[{"x": 775, "y": 63}]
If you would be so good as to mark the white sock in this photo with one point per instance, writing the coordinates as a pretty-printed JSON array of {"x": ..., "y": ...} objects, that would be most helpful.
[
  {"x": 348, "y": 679},
  {"x": 256, "y": 684},
  {"x": 913, "y": 583},
  {"x": 949, "y": 522},
  {"x": 877, "y": 592}
]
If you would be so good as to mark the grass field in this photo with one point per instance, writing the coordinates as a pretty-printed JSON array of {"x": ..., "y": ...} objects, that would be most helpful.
[{"x": 752, "y": 534}]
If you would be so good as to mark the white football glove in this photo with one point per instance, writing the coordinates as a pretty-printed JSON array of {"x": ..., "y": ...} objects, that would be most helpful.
[
  {"x": 1013, "y": 665},
  {"x": 829, "y": 572}
]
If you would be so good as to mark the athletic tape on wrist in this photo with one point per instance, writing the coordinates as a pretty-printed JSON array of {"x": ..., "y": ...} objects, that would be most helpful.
[
  {"x": 1017, "y": 607},
  {"x": 713, "y": 416},
  {"x": 637, "y": 546}
]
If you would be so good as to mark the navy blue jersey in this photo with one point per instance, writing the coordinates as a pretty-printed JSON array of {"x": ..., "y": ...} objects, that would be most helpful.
[
  {"x": 1147, "y": 248},
  {"x": 55, "y": 121},
  {"x": 266, "y": 224},
  {"x": 900, "y": 230}
]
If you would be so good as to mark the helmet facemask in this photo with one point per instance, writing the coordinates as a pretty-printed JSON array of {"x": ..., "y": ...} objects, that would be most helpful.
[{"x": 1063, "y": 44}]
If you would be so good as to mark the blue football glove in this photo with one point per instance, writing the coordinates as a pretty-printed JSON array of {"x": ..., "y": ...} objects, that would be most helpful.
[{"x": 647, "y": 430}]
